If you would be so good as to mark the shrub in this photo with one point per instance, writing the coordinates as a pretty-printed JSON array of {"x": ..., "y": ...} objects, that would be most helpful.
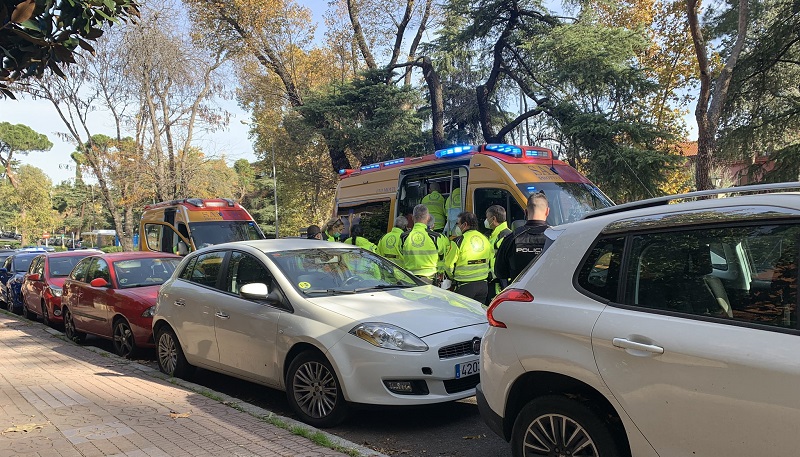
[{"x": 108, "y": 249}]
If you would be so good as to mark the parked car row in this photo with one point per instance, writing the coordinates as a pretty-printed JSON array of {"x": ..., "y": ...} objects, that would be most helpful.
[{"x": 332, "y": 325}]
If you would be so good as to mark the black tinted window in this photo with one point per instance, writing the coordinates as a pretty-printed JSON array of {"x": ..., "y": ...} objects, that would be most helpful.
[
  {"x": 245, "y": 269},
  {"x": 206, "y": 269},
  {"x": 746, "y": 274},
  {"x": 599, "y": 274}
]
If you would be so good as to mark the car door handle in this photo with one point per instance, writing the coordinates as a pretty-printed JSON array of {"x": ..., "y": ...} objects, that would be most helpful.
[
  {"x": 222, "y": 315},
  {"x": 180, "y": 302},
  {"x": 628, "y": 344}
]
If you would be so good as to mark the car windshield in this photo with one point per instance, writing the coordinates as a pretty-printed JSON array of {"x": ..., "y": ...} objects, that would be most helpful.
[
  {"x": 320, "y": 272},
  {"x": 21, "y": 264},
  {"x": 62, "y": 266},
  {"x": 144, "y": 271},
  {"x": 569, "y": 201},
  {"x": 217, "y": 232}
]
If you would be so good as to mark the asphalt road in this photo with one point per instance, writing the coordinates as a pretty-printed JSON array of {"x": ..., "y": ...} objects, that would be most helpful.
[{"x": 451, "y": 429}]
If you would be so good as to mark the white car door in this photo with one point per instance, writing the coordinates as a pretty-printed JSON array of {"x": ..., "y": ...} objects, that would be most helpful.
[
  {"x": 247, "y": 330},
  {"x": 698, "y": 380}
]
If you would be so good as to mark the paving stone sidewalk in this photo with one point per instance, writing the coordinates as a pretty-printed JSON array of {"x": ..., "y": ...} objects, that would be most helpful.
[{"x": 59, "y": 399}]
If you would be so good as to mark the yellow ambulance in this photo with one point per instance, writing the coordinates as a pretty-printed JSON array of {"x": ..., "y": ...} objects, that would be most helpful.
[
  {"x": 181, "y": 226},
  {"x": 479, "y": 175}
]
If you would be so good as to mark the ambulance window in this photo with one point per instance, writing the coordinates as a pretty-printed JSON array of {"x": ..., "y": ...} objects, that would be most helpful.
[
  {"x": 377, "y": 212},
  {"x": 153, "y": 236},
  {"x": 486, "y": 197}
]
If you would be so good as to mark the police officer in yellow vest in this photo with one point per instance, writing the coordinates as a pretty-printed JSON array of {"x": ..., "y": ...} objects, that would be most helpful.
[
  {"x": 435, "y": 203},
  {"x": 467, "y": 263},
  {"x": 496, "y": 222},
  {"x": 423, "y": 249},
  {"x": 389, "y": 244}
]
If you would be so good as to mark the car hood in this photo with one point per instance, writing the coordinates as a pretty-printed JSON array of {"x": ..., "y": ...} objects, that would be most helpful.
[
  {"x": 58, "y": 281},
  {"x": 423, "y": 310},
  {"x": 145, "y": 294}
]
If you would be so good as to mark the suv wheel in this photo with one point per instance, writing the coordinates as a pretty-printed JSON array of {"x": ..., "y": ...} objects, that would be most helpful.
[
  {"x": 555, "y": 425},
  {"x": 314, "y": 392}
]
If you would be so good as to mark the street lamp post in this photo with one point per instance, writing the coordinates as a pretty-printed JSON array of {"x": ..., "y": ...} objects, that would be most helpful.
[{"x": 275, "y": 186}]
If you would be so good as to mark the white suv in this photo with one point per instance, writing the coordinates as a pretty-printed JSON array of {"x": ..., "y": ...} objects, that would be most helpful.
[{"x": 653, "y": 329}]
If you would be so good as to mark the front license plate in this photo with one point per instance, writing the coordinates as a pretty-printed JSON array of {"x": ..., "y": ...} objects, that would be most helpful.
[{"x": 467, "y": 369}]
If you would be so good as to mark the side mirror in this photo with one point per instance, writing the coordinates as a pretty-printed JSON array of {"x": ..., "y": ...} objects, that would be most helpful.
[
  {"x": 34, "y": 277},
  {"x": 182, "y": 248},
  {"x": 254, "y": 291},
  {"x": 98, "y": 282}
]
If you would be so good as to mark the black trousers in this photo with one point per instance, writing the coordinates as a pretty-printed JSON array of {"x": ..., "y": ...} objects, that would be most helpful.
[{"x": 475, "y": 290}]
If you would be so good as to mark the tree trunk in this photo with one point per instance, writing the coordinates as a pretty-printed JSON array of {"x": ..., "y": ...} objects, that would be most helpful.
[
  {"x": 358, "y": 33},
  {"x": 130, "y": 229}
]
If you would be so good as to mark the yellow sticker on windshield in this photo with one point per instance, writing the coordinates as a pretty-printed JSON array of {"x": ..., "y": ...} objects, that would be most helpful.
[{"x": 304, "y": 285}]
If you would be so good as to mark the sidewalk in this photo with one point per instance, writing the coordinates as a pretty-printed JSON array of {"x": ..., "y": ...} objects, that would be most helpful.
[{"x": 59, "y": 399}]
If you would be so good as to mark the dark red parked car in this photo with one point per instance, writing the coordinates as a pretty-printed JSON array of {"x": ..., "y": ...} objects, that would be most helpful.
[
  {"x": 41, "y": 287},
  {"x": 113, "y": 296}
]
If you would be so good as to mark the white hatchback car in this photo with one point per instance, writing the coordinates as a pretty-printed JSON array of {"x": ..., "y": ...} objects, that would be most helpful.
[
  {"x": 329, "y": 323},
  {"x": 653, "y": 329}
]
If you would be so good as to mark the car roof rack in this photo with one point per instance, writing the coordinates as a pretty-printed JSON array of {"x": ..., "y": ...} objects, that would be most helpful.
[{"x": 658, "y": 201}]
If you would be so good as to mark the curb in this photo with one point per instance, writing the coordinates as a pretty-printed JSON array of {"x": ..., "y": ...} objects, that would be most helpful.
[{"x": 292, "y": 425}]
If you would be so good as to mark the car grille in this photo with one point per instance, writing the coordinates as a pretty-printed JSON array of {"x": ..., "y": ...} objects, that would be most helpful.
[
  {"x": 456, "y": 350},
  {"x": 453, "y": 386}
]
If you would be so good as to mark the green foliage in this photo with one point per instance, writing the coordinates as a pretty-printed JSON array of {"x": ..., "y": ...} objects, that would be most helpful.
[
  {"x": 374, "y": 224},
  {"x": 108, "y": 249},
  {"x": 21, "y": 139},
  {"x": 41, "y": 34},
  {"x": 367, "y": 117},
  {"x": 762, "y": 115}
]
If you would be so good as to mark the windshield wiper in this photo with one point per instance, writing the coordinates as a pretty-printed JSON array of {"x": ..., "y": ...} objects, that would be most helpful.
[
  {"x": 328, "y": 291},
  {"x": 384, "y": 286}
]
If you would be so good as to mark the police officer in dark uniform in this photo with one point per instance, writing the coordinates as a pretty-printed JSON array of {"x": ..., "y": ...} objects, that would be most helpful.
[{"x": 519, "y": 248}]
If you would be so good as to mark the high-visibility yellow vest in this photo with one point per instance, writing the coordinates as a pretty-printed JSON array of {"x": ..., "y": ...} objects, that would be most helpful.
[
  {"x": 422, "y": 250},
  {"x": 468, "y": 260},
  {"x": 495, "y": 239},
  {"x": 362, "y": 243},
  {"x": 435, "y": 203},
  {"x": 389, "y": 246}
]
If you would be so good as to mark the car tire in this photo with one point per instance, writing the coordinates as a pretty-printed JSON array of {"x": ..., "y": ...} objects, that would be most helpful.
[
  {"x": 314, "y": 392},
  {"x": 46, "y": 316},
  {"x": 171, "y": 360},
  {"x": 557, "y": 425},
  {"x": 25, "y": 313},
  {"x": 69, "y": 328},
  {"x": 124, "y": 343}
]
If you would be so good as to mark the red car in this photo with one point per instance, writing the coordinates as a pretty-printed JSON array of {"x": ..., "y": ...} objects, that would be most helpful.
[
  {"x": 113, "y": 296},
  {"x": 41, "y": 287}
]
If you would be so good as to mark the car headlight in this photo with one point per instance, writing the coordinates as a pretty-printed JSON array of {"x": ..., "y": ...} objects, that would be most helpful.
[
  {"x": 56, "y": 291},
  {"x": 389, "y": 336},
  {"x": 149, "y": 312}
]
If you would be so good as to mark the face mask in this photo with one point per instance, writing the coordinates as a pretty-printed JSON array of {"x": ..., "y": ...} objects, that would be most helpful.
[
  {"x": 457, "y": 231},
  {"x": 337, "y": 235},
  {"x": 487, "y": 224}
]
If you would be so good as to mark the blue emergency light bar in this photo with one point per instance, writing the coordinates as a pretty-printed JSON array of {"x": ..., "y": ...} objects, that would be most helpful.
[
  {"x": 505, "y": 149},
  {"x": 534, "y": 153},
  {"x": 393, "y": 162},
  {"x": 342, "y": 171},
  {"x": 370, "y": 167},
  {"x": 454, "y": 151}
]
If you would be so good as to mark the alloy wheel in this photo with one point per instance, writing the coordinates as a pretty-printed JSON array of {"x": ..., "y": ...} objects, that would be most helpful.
[
  {"x": 556, "y": 435},
  {"x": 167, "y": 353},
  {"x": 124, "y": 344},
  {"x": 315, "y": 389},
  {"x": 45, "y": 315}
]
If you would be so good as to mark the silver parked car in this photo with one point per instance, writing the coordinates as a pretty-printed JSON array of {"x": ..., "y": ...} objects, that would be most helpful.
[
  {"x": 329, "y": 323},
  {"x": 653, "y": 329}
]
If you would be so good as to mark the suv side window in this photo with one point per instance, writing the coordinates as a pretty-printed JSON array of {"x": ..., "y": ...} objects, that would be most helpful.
[
  {"x": 599, "y": 274},
  {"x": 682, "y": 271},
  {"x": 245, "y": 269},
  {"x": 206, "y": 269}
]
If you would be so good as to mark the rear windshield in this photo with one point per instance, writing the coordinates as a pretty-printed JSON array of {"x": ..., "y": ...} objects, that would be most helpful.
[
  {"x": 569, "y": 201},
  {"x": 21, "y": 264},
  {"x": 217, "y": 232},
  {"x": 144, "y": 271}
]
